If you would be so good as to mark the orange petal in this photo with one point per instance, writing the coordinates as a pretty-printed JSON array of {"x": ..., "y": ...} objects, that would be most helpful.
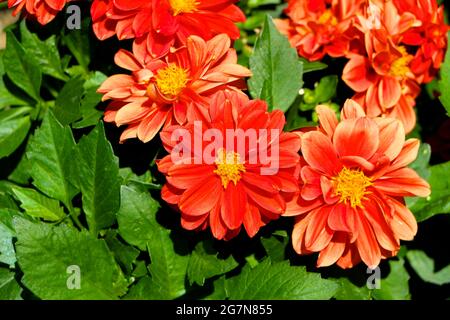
[
  {"x": 218, "y": 227},
  {"x": 252, "y": 220},
  {"x": 125, "y": 59},
  {"x": 392, "y": 137},
  {"x": 200, "y": 199},
  {"x": 407, "y": 155},
  {"x": 298, "y": 234},
  {"x": 403, "y": 222},
  {"x": 185, "y": 176},
  {"x": 351, "y": 110},
  {"x": 366, "y": 243},
  {"x": 403, "y": 182},
  {"x": 234, "y": 205},
  {"x": 151, "y": 124},
  {"x": 389, "y": 92},
  {"x": 327, "y": 118},
  {"x": 319, "y": 153},
  {"x": 318, "y": 234},
  {"x": 333, "y": 251},
  {"x": 356, "y": 137}
]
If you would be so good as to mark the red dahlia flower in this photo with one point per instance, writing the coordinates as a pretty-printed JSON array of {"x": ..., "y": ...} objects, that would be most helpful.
[
  {"x": 319, "y": 27},
  {"x": 353, "y": 179},
  {"x": 172, "y": 90},
  {"x": 235, "y": 187},
  {"x": 44, "y": 10},
  {"x": 430, "y": 37},
  {"x": 383, "y": 80},
  {"x": 161, "y": 24}
]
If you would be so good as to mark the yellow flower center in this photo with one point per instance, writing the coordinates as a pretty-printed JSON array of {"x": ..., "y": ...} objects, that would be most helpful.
[
  {"x": 351, "y": 185},
  {"x": 171, "y": 80},
  {"x": 229, "y": 167},
  {"x": 328, "y": 17},
  {"x": 400, "y": 66},
  {"x": 183, "y": 6}
]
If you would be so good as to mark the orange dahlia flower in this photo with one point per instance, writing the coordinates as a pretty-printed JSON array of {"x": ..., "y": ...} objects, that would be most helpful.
[
  {"x": 383, "y": 80},
  {"x": 353, "y": 179},
  {"x": 231, "y": 190},
  {"x": 44, "y": 10},
  {"x": 430, "y": 37},
  {"x": 161, "y": 24},
  {"x": 319, "y": 27},
  {"x": 172, "y": 90}
]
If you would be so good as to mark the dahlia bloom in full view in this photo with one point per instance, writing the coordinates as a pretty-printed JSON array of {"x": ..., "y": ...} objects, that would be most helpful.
[
  {"x": 384, "y": 83},
  {"x": 173, "y": 90},
  {"x": 43, "y": 10},
  {"x": 319, "y": 27},
  {"x": 232, "y": 190},
  {"x": 353, "y": 181},
  {"x": 161, "y": 24},
  {"x": 404, "y": 46}
]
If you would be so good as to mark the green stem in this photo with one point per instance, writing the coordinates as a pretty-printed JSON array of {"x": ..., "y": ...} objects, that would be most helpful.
[
  {"x": 74, "y": 216},
  {"x": 3, "y": 5}
]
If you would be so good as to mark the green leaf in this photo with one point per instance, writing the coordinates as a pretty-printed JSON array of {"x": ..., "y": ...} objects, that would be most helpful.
[
  {"x": 275, "y": 246},
  {"x": 7, "y": 202},
  {"x": 51, "y": 152},
  {"x": 6, "y": 96},
  {"x": 43, "y": 53},
  {"x": 55, "y": 250},
  {"x": 91, "y": 98},
  {"x": 444, "y": 83},
  {"x": 67, "y": 104},
  {"x": 309, "y": 66},
  {"x": 270, "y": 281},
  {"x": 141, "y": 290},
  {"x": 258, "y": 3},
  {"x": 395, "y": 286},
  {"x": 125, "y": 255},
  {"x": 168, "y": 265},
  {"x": 78, "y": 43},
  {"x": 277, "y": 71},
  {"x": 205, "y": 263},
  {"x": 220, "y": 290},
  {"x": 349, "y": 291},
  {"x": 13, "y": 130},
  {"x": 99, "y": 179},
  {"x": 143, "y": 182},
  {"x": 326, "y": 88},
  {"x": 168, "y": 269},
  {"x": 9, "y": 288},
  {"x": 421, "y": 164},
  {"x": 424, "y": 267},
  {"x": 7, "y": 233},
  {"x": 39, "y": 206},
  {"x": 21, "y": 173},
  {"x": 136, "y": 217},
  {"x": 25, "y": 73},
  {"x": 439, "y": 200}
]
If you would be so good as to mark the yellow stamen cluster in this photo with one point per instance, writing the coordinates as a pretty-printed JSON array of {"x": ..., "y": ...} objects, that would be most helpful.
[
  {"x": 328, "y": 17},
  {"x": 183, "y": 6},
  {"x": 171, "y": 80},
  {"x": 400, "y": 66},
  {"x": 229, "y": 167},
  {"x": 351, "y": 185}
]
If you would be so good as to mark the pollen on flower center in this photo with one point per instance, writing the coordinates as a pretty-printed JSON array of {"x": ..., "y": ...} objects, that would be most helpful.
[
  {"x": 183, "y": 6},
  {"x": 171, "y": 80},
  {"x": 328, "y": 17},
  {"x": 351, "y": 185},
  {"x": 400, "y": 66},
  {"x": 229, "y": 167}
]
